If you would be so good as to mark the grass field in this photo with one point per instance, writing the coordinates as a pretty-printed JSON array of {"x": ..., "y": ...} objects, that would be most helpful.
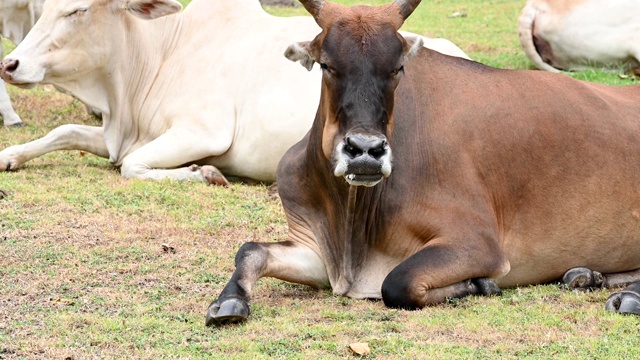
[{"x": 96, "y": 266}]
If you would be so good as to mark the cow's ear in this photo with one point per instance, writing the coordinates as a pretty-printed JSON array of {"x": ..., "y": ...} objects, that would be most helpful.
[
  {"x": 414, "y": 43},
  {"x": 152, "y": 9},
  {"x": 300, "y": 51}
]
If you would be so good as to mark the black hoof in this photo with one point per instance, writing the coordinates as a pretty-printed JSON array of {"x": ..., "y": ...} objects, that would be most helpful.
[
  {"x": 16, "y": 125},
  {"x": 624, "y": 302},
  {"x": 487, "y": 287},
  {"x": 583, "y": 279},
  {"x": 230, "y": 311}
]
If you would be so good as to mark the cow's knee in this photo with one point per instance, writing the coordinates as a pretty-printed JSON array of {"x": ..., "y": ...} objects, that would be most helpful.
[
  {"x": 131, "y": 169},
  {"x": 400, "y": 291}
]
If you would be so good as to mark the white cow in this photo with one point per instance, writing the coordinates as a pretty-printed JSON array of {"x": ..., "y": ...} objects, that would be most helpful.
[
  {"x": 17, "y": 17},
  {"x": 580, "y": 34},
  {"x": 207, "y": 86}
]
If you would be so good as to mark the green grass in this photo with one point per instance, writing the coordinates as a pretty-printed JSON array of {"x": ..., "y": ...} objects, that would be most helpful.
[{"x": 84, "y": 274}]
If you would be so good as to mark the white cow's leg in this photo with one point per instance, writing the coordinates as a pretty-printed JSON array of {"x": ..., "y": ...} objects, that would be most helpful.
[
  {"x": 160, "y": 158},
  {"x": 6, "y": 109},
  {"x": 284, "y": 260},
  {"x": 65, "y": 137}
]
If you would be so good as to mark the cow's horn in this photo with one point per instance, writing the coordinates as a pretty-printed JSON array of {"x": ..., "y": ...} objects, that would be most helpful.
[
  {"x": 312, "y": 6},
  {"x": 406, "y": 7}
]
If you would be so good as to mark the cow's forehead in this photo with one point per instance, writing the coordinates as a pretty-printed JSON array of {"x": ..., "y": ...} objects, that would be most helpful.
[{"x": 351, "y": 38}]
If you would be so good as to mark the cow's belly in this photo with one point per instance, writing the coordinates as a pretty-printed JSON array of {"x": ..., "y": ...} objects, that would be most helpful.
[{"x": 540, "y": 259}]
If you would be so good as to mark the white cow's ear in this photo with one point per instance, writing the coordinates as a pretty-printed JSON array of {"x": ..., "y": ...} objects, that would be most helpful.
[
  {"x": 300, "y": 52},
  {"x": 414, "y": 43},
  {"x": 153, "y": 9}
]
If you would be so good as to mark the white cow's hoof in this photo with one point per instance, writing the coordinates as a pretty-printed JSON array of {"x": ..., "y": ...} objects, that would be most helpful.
[
  {"x": 213, "y": 176},
  {"x": 15, "y": 125}
]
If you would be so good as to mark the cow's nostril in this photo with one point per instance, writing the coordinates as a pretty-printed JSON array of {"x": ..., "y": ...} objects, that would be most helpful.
[
  {"x": 378, "y": 152},
  {"x": 355, "y": 146},
  {"x": 10, "y": 65},
  {"x": 351, "y": 148}
]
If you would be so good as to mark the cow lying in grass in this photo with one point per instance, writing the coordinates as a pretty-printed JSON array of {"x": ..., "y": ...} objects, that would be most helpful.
[{"x": 426, "y": 177}]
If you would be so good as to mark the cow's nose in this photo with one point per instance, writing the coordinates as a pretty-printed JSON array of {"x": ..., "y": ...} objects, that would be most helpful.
[
  {"x": 10, "y": 65},
  {"x": 357, "y": 145}
]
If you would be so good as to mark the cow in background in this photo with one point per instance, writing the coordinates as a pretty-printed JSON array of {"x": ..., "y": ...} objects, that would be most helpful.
[
  {"x": 188, "y": 96},
  {"x": 581, "y": 34},
  {"x": 17, "y": 17}
]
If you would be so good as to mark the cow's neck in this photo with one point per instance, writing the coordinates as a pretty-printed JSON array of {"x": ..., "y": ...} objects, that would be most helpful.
[
  {"x": 127, "y": 83},
  {"x": 352, "y": 212}
]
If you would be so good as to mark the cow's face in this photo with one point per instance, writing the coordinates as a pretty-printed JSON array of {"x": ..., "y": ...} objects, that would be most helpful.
[
  {"x": 75, "y": 37},
  {"x": 362, "y": 56}
]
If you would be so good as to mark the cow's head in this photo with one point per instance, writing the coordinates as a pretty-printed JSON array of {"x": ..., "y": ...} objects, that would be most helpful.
[
  {"x": 362, "y": 56},
  {"x": 74, "y": 37}
]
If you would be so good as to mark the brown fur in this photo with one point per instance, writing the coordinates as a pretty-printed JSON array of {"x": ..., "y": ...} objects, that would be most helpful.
[{"x": 516, "y": 176}]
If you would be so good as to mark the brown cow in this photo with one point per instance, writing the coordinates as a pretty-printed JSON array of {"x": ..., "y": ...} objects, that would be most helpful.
[{"x": 498, "y": 178}]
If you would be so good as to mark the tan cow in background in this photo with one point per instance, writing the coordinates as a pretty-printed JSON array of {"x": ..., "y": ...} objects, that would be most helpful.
[
  {"x": 581, "y": 34},
  {"x": 17, "y": 17}
]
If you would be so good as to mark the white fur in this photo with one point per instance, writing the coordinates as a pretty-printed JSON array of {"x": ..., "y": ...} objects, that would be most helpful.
[{"x": 583, "y": 33}]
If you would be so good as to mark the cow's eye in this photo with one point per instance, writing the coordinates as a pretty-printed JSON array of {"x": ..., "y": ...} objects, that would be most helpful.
[
  {"x": 326, "y": 68},
  {"x": 77, "y": 12},
  {"x": 398, "y": 70}
]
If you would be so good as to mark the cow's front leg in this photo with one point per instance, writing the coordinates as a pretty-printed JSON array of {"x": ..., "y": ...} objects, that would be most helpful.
[
  {"x": 284, "y": 260},
  {"x": 65, "y": 137},
  {"x": 440, "y": 272},
  {"x": 9, "y": 115}
]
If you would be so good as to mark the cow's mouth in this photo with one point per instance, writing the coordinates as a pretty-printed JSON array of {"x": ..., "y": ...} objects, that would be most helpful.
[
  {"x": 367, "y": 180},
  {"x": 23, "y": 85}
]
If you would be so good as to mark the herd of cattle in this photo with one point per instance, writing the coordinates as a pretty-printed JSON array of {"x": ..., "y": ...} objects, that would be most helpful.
[{"x": 406, "y": 174}]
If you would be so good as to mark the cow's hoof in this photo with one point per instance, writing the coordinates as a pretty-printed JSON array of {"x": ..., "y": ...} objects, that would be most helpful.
[
  {"x": 583, "y": 279},
  {"x": 5, "y": 166},
  {"x": 486, "y": 287},
  {"x": 624, "y": 302},
  {"x": 214, "y": 176},
  {"x": 230, "y": 311},
  {"x": 16, "y": 125}
]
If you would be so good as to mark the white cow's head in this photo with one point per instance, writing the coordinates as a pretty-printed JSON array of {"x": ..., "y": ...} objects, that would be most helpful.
[{"x": 74, "y": 38}]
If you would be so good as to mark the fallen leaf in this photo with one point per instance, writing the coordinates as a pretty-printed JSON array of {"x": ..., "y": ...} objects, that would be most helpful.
[
  {"x": 360, "y": 348},
  {"x": 62, "y": 301}
]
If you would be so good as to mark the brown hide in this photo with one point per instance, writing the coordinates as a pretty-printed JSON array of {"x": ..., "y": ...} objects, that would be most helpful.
[
  {"x": 521, "y": 175},
  {"x": 498, "y": 177}
]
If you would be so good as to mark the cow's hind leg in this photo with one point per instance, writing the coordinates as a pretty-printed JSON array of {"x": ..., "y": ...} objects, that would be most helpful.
[
  {"x": 285, "y": 260},
  {"x": 584, "y": 278},
  {"x": 581, "y": 278},
  {"x": 626, "y": 301}
]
